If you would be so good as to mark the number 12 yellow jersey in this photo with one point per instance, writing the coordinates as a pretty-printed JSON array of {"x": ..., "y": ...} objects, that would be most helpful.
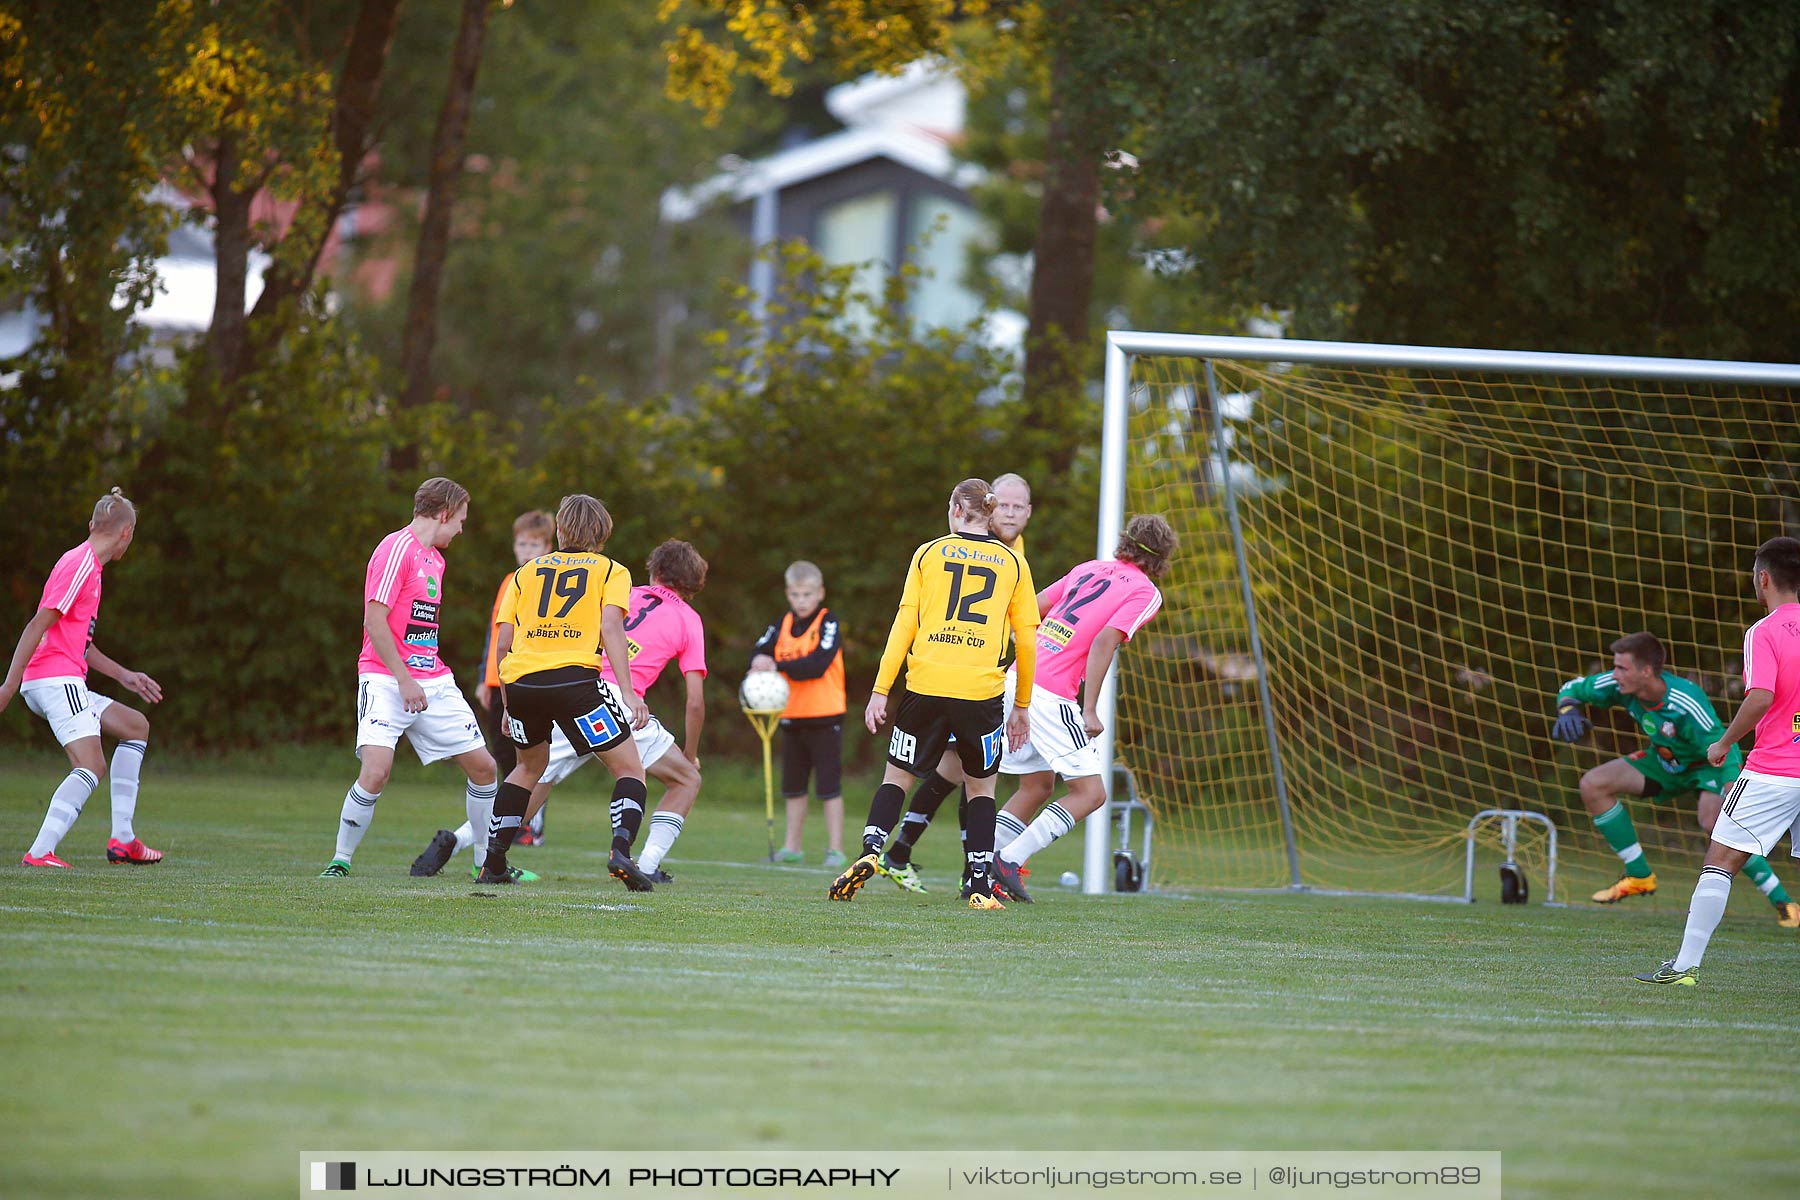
[
  {"x": 553, "y": 603},
  {"x": 962, "y": 592}
]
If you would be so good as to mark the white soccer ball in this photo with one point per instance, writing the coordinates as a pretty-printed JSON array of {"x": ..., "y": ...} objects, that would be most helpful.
[{"x": 764, "y": 691}]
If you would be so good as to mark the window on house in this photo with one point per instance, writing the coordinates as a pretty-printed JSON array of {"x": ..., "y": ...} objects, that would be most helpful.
[
  {"x": 861, "y": 231},
  {"x": 938, "y": 235}
]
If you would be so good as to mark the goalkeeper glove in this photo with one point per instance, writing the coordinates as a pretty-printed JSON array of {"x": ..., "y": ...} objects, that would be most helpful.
[{"x": 1571, "y": 725}]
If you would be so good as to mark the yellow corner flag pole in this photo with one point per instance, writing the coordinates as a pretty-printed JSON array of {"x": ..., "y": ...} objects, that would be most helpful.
[{"x": 764, "y": 720}]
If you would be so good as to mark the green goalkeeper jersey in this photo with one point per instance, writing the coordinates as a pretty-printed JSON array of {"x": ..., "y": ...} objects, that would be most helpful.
[{"x": 1680, "y": 729}]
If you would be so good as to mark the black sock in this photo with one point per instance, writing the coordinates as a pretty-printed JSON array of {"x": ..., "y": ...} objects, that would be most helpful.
[
  {"x": 979, "y": 848},
  {"x": 884, "y": 811},
  {"x": 509, "y": 813},
  {"x": 926, "y": 799},
  {"x": 628, "y": 800}
]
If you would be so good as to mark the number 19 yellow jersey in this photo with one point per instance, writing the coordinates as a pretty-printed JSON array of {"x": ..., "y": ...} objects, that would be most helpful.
[
  {"x": 553, "y": 603},
  {"x": 962, "y": 592}
]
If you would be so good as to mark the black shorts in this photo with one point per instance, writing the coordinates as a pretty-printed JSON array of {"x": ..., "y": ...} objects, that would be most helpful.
[
  {"x": 925, "y": 724},
  {"x": 572, "y": 697},
  {"x": 812, "y": 746}
]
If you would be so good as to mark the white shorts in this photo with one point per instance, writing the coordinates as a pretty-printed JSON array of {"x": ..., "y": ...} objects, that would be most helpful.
[
  {"x": 1059, "y": 741},
  {"x": 1758, "y": 809},
  {"x": 653, "y": 741},
  {"x": 445, "y": 729},
  {"x": 65, "y": 702}
]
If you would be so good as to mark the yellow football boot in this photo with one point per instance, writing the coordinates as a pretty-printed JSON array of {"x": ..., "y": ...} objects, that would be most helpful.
[{"x": 1628, "y": 885}]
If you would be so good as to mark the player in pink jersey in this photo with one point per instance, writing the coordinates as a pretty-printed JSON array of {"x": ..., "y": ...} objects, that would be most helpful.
[
  {"x": 49, "y": 668},
  {"x": 1088, "y": 614},
  {"x": 1764, "y": 803},
  {"x": 662, "y": 627},
  {"x": 403, "y": 688}
]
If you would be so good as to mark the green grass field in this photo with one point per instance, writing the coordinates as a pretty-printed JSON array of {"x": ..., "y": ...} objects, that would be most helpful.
[{"x": 185, "y": 1029}]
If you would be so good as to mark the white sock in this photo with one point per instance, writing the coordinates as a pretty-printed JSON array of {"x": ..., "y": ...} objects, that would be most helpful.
[
  {"x": 465, "y": 836},
  {"x": 65, "y": 806},
  {"x": 1006, "y": 828},
  {"x": 1704, "y": 912},
  {"x": 353, "y": 821},
  {"x": 478, "y": 801},
  {"x": 127, "y": 760},
  {"x": 665, "y": 827},
  {"x": 1051, "y": 824}
]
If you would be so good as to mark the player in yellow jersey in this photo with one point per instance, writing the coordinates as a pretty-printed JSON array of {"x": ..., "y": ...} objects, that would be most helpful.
[
  {"x": 962, "y": 594},
  {"x": 1012, "y": 513},
  {"x": 558, "y": 614}
]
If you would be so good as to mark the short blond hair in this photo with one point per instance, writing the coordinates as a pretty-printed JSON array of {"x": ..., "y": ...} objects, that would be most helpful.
[
  {"x": 801, "y": 571},
  {"x": 538, "y": 524},
  {"x": 582, "y": 523},
  {"x": 1011, "y": 477},
  {"x": 112, "y": 511}
]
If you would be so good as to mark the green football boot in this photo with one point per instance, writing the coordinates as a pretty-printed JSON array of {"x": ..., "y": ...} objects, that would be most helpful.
[
  {"x": 1668, "y": 974},
  {"x": 518, "y": 874},
  {"x": 906, "y": 878}
]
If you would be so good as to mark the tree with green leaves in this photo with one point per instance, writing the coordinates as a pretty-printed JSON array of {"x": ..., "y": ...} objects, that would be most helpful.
[
  {"x": 568, "y": 154},
  {"x": 79, "y": 230},
  {"x": 1521, "y": 173},
  {"x": 447, "y": 150}
]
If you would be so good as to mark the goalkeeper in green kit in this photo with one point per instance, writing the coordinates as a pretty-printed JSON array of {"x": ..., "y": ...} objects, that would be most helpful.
[{"x": 1681, "y": 723}]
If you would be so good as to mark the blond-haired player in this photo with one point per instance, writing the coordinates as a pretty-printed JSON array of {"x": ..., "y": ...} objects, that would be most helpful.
[
  {"x": 49, "y": 668},
  {"x": 962, "y": 595},
  {"x": 404, "y": 689},
  {"x": 1012, "y": 513},
  {"x": 562, "y": 610}
]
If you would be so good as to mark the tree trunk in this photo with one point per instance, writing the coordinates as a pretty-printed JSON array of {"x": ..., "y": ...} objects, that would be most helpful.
[
  {"x": 352, "y": 120},
  {"x": 434, "y": 231},
  {"x": 231, "y": 252},
  {"x": 1062, "y": 277}
]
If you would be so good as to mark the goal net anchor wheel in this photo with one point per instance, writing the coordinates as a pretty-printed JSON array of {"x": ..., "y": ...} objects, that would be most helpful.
[
  {"x": 1513, "y": 886},
  {"x": 1130, "y": 873}
]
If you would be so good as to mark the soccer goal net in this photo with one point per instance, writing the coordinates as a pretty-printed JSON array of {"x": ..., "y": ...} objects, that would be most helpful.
[{"x": 1427, "y": 544}]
